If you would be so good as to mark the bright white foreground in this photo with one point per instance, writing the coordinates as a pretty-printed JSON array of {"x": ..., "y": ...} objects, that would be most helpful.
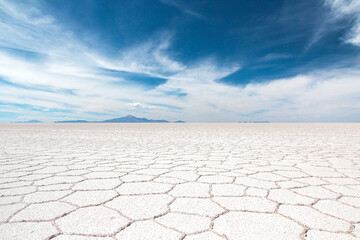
[{"x": 179, "y": 181}]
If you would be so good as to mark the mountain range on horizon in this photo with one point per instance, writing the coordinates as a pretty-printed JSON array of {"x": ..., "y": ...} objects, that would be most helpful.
[{"x": 126, "y": 119}]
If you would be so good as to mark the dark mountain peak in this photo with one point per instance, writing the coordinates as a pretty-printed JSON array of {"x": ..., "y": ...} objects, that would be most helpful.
[
  {"x": 72, "y": 121},
  {"x": 129, "y": 116}
]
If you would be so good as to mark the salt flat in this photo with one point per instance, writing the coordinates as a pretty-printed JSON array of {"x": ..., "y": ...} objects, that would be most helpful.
[{"x": 179, "y": 181}]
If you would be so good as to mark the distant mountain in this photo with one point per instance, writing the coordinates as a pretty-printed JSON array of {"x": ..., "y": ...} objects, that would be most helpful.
[
  {"x": 72, "y": 121},
  {"x": 30, "y": 121},
  {"x": 179, "y": 121},
  {"x": 254, "y": 121},
  {"x": 132, "y": 119}
]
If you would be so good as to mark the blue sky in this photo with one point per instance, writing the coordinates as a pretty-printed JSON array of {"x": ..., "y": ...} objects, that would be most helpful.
[{"x": 198, "y": 61}]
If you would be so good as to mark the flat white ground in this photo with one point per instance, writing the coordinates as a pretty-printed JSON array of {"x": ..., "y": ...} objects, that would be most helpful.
[{"x": 179, "y": 181}]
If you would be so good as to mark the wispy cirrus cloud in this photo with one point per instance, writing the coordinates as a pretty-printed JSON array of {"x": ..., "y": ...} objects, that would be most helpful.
[
  {"x": 347, "y": 9},
  {"x": 183, "y": 8},
  {"x": 274, "y": 56},
  {"x": 150, "y": 57}
]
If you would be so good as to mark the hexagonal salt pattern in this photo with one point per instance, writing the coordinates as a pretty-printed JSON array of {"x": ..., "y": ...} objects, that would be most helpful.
[
  {"x": 248, "y": 225},
  {"x": 92, "y": 220},
  {"x": 179, "y": 181}
]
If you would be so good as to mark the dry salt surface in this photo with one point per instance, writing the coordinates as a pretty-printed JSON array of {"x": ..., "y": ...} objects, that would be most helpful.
[{"x": 180, "y": 181}]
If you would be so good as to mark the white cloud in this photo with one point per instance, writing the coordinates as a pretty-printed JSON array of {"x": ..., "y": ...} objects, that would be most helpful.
[
  {"x": 139, "y": 106},
  {"x": 347, "y": 9},
  {"x": 149, "y": 57}
]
